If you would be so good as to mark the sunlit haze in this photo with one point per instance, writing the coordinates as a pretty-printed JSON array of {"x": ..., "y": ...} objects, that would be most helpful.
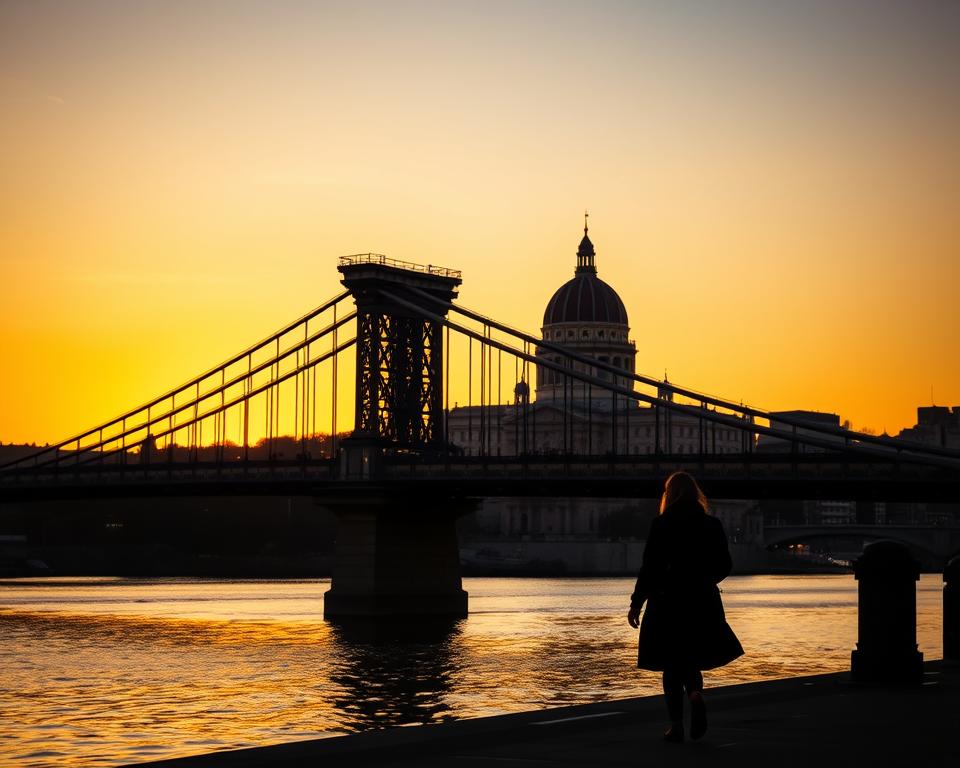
[{"x": 772, "y": 186}]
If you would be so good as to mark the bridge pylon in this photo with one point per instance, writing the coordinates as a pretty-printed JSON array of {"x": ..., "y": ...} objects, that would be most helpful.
[
  {"x": 399, "y": 353},
  {"x": 395, "y": 557}
]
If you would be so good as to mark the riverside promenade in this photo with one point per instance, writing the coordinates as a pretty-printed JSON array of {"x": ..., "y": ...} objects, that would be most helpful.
[{"x": 802, "y": 721}]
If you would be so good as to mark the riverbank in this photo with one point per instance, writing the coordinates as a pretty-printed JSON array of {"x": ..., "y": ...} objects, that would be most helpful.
[
  {"x": 534, "y": 559},
  {"x": 560, "y": 556},
  {"x": 792, "y": 722}
]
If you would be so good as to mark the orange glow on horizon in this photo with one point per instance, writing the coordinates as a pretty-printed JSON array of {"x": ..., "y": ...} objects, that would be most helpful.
[{"x": 772, "y": 195}]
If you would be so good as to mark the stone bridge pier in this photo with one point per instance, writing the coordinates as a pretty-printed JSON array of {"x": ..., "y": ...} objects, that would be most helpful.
[{"x": 396, "y": 558}]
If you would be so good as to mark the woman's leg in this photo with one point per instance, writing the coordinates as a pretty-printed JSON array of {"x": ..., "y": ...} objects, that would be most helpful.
[
  {"x": 693, "y": 682},
  {"x": 673, "y": 693}
]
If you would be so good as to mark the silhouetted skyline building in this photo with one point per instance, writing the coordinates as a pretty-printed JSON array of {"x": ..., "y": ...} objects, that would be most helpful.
[{"x": 936, "y": 425}]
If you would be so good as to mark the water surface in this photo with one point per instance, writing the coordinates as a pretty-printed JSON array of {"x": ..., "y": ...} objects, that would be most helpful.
[{"x": 100, "y": 672}]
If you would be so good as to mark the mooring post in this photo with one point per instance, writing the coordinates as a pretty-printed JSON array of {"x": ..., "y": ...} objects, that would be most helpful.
[
  {"x": 887, "y": 616},
  {"x": 951, "y": 609}
]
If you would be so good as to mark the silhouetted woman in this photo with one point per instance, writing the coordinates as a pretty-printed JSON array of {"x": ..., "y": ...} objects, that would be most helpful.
[{"x": 684, "y": 629}]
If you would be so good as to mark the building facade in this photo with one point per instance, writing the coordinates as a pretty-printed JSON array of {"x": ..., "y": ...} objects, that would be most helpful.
[{"x": 937, "y": 425}]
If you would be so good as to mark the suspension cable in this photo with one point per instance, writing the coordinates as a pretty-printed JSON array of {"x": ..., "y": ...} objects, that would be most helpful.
[
  {"x": 173, "y": 392},
  {"x": 746, "y": 410},
  {"x": 175, "y": 409},
  {"x": 733, "y": 421}
]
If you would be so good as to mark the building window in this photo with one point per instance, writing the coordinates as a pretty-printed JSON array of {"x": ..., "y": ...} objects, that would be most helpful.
[
  {"x": 604, "y": 375},
  {"x": 599, "y": 334},
  {"x": 569, "y": 334}
]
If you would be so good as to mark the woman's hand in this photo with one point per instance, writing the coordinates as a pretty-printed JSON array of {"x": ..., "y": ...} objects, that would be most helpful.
[{"x": 633, "y": 617}]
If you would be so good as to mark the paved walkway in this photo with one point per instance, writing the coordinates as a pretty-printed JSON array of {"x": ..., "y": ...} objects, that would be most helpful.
[{"x": 802, "y": 721}]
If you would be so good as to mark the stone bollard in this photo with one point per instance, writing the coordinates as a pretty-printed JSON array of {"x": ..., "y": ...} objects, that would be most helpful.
[
  {"x": 887, "y": 616},
  {"x": 951, "y": 610}
]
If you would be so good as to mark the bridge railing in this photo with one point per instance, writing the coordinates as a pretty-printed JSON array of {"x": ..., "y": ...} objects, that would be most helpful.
[{"x": 386, "y": 261}]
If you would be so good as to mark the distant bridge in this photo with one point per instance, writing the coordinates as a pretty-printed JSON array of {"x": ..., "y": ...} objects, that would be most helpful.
[
  {"x": 942, "y": 541},
  {"x": 398, "y": 479}
]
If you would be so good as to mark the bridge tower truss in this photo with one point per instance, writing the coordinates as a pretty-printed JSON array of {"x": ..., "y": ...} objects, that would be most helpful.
[{"x": 399, "y": 396}]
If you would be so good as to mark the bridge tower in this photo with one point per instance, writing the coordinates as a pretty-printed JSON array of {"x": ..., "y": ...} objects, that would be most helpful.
[
  {"x": 396, "y": 555},
  {"x": 399, "y": 353}
]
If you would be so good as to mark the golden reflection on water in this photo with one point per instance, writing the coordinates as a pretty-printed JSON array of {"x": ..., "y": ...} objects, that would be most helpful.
[{"x": 111, "y": 671}]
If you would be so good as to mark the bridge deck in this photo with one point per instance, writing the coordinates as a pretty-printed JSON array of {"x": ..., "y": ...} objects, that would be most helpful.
[{"x": 744, "y": 476}]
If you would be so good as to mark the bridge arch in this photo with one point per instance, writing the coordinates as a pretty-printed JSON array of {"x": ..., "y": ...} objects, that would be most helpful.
[{"x": 933, "y": 545}]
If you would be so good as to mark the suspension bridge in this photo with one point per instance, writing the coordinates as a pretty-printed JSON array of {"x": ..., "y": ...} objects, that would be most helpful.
[{"x": 351, "y": 404}]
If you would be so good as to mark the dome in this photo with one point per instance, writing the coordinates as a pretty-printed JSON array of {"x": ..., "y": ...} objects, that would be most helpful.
[{"x": 585, "y": 298}]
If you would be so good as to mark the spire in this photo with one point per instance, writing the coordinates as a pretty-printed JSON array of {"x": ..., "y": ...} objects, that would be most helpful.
[
  {"x": 663, "y": 392},
  {"x": 585, "y": 252}
]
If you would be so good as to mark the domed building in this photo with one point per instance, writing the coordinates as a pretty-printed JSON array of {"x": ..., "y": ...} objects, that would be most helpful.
[{"x": 585, "y": 316}]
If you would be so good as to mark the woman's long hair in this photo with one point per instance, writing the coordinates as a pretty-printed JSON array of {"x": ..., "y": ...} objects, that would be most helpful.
[{"x": 681, "y": 487}]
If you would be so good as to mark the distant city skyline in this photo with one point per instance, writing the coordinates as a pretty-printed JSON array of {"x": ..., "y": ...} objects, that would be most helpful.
[{"x": 771, "y": 186}]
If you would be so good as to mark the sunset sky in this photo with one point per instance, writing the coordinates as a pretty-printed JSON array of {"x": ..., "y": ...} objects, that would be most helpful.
[{"x": 773, "y": 187}]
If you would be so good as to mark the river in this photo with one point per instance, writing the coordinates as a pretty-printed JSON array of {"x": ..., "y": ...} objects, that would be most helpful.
[{"x": 106, "y": 671}]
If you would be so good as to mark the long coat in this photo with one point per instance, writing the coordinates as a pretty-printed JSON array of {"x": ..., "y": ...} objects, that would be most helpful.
[{"x": 684, "y": 625}]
